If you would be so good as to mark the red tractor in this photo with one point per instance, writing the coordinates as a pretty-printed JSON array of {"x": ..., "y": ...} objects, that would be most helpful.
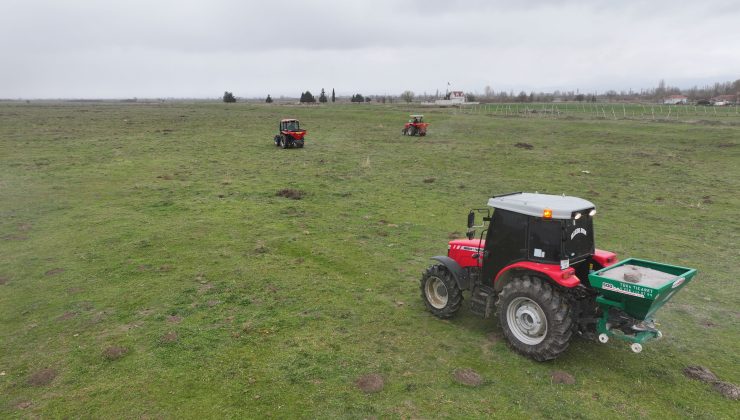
[
  {"x": 415, "y": 126},
  {"x": 538, "y": 267},
  {"x": 291, "y": 134}
]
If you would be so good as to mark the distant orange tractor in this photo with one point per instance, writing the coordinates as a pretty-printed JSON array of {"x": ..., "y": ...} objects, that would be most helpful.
[
  {"x": 415, "y": 126},
  {"x": 291, "y": 134}
]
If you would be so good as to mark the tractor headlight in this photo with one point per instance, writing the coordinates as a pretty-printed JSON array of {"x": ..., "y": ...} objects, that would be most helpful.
[
  {"x": 592, "y": 213},
  {"x": 577, "y": 216}
]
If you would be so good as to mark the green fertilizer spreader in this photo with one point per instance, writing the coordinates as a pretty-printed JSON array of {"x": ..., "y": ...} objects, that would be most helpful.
[{"x": 635, "y": 289}]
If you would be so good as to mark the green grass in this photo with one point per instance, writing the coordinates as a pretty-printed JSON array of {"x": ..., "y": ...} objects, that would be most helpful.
[{"x": 164, "y": 210}]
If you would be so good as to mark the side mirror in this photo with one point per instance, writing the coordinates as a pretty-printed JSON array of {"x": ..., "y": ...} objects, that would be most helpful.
[{"x": 471, "y": 219}]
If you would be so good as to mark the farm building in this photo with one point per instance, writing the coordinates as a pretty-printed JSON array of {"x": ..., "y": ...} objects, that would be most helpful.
[
  {"x": 676, "y": 100},
  {"x": 722, "y": 100},
  {"x": 454, "y": 98}
]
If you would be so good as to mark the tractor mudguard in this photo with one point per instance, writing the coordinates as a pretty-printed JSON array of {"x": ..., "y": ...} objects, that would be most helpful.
[
  {"x": 454, "y": 268},
  {"x": 566, "y": 278},
  {"x": 605, "y": 258}
]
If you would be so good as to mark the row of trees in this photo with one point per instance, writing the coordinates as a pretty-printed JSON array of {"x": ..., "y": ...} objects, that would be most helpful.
[{"x": 489, "y": 95}]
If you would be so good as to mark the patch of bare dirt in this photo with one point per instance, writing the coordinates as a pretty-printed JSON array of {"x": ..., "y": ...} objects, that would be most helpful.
[
  {"x": 54, "y": 271},
  {"x": 429, "y": 180},
  {"x": 205, "y": 287},
  {"x": 707, "y": 200},
  {"x": 144, "y": 267},
  {"x": 291, "y": 193},
  {"x": 114, "y": 352},
  {"x": 23, "y": 405},
  {"x": 494, "y": 337},
  {"x": 454, "y": 235},
  {"x": 174, "y": 319},
  {"x": 271, "y": 288},
  {"x": 67, "y": 315},
  {"x": 145, "y": 312},
  {"x": 370, "y": 383},
  {"x": 170, "y": 337},
  {"x": 728, "y": 390},
  {"x": 24, "y": 227},
  {"x": 467, "y": 377},
  {"x": 526, "y": 146},
  {"x": 4, "y": 280},
  {"x": 165, "y": 268},
  {"x": 700, "y": 373},
  {"x": 261, "y": 248},
  {"x": 561, "y": 377},
  {"x": 42, "y": 377},
  {"x": 212, "y": 303},
  {"x": 15, "y": 237},
  {"x": 166, "y": 177},
  {"x": 726, "y": 145}
]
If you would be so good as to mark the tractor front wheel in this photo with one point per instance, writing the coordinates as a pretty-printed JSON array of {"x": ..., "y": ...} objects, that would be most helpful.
[
  {"x": 412, "y": 130},
  {"x": 440, "y": 292},
  {"x": 283, "y": 142},
  {"x": 535, "y": 318}
]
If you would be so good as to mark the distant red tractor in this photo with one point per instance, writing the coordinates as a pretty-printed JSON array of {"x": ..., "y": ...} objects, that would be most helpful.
[
  {"x": 415, "y": 126},
  {"x": 291, "y": 134}
]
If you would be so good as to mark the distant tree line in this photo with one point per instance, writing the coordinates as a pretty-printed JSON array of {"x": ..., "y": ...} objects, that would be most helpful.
[
  {"x": 489, "y": 95},
  {"x": 658, "y": 93}
]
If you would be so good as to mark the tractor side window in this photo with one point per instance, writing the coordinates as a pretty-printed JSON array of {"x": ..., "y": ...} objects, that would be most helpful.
[{"x": 545, "y": 239}]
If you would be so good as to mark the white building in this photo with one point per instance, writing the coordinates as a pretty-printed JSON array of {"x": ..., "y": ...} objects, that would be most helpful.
[{"x": 676, "y": 100}]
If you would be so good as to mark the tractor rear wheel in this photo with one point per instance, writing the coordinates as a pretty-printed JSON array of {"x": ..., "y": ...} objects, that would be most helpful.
[
  {"x": 283, "y": 142},
  {"x": 440, "y": 292},
  {"x": 535, "y": 317},
  {"x": 412, "y": 130}
]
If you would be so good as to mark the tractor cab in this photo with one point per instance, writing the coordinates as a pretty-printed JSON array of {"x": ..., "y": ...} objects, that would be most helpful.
[
  {"x": 289, "y": 125},
  {"x": 415, "y": 119},
  {"x": 537, "y": 228}
]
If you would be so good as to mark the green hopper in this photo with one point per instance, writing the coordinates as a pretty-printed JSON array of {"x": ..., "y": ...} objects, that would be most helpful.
[{"x": 637, "y": 288}]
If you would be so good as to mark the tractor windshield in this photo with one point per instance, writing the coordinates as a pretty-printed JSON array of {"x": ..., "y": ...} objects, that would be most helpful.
[{"x": 291, "y": 126}]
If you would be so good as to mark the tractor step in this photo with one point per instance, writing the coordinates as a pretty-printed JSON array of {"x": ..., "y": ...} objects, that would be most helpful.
[{"x": 481, "y": 301}]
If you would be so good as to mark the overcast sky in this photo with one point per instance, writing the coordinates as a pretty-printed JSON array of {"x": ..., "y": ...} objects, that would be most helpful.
[{"x": 200, "y": 48}]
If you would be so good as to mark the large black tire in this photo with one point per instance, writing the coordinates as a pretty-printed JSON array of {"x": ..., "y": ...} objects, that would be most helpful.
[
  {"x": 535, "y": 317},
  {"x": 412, "y": 130},
  {"x": 277, "y": 141},
  {"x": 440, "y": 292},
  {"x": 299, "y": 144},
  {"x": 283, "y": 142}
]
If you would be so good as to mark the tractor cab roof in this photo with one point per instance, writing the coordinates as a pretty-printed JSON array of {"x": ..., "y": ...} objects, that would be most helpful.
[
  {"x": 416, "y": 116},
  {"x": 288, "y": 120},
  {"x": 533, "y": 204}
]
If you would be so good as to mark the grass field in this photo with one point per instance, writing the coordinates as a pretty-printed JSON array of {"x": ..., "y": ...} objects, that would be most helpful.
[{"x": 148, "y": 268}]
